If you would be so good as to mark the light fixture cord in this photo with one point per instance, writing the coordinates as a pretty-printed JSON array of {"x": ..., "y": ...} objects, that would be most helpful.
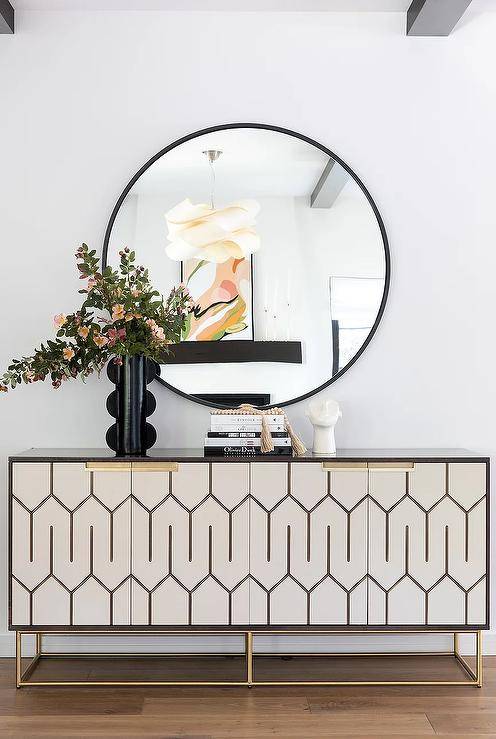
[{"x": 212, "y": 184}]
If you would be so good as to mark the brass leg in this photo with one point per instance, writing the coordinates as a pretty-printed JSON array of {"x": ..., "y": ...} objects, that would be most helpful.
[
  {"x": 39, "y": 637},
  {"x": 455, "y": 644},
  {"x": 18, "y": 658},
  {"x": 249, "y": 658},
  {"x": 479, "y": 659}
]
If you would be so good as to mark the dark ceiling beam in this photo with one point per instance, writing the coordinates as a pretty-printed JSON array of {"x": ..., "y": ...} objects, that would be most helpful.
[
  {"x": 6, "y": 17},
  {"x": 434, "y": 17},
  {"x": 331, "y": 182}
]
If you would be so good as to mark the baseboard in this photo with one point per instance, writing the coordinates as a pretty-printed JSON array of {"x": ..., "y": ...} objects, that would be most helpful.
[{"x": 386, "y": 642}]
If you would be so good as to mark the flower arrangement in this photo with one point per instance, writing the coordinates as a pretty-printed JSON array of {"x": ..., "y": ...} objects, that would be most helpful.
[{"x": 122, "y": 315}]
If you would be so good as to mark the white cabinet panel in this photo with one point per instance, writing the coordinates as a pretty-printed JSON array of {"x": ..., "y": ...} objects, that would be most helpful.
[
  {"x": 304, "y": 544},
  {"x": 51, "y": 604},
  {"x": 20, "y": 604},
  {"x": 427, "y": 483},
  {"x": 120, "y": 604},
  {"x": 476, "y": 607},
  {"x": 71, "y": 550},
  {"x": 308, "y": 484},
  {"x": 288, "y": 603},
  {"x": 169, "y": 604},
  {"x": 72, "y": 483},
  {"x": 427, "y": 545},
  {"x": 467, "y": 483},
  {"x": 328, "y": 603},
  {"x": 387, "y": 488},
  {"x": 446, "y": 603},
  {"x": 406, "y": 603},
  {"x": 31, "y": 482},
  {"x": 91, "y": 603},
  {"x": 210, "y": 604},
  {"x": 269, "y": 482},
  {"x": 190, "y": 545}
]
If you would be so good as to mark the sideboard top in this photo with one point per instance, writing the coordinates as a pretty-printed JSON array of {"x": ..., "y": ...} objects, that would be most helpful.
[{"x": 197, "y": 455}]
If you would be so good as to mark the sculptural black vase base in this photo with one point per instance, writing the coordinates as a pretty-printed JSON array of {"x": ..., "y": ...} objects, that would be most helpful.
[{"x": 130, "y": 404}]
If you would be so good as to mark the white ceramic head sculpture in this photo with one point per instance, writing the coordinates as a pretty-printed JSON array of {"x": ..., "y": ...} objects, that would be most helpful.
[{"x": 323, "y": 414}]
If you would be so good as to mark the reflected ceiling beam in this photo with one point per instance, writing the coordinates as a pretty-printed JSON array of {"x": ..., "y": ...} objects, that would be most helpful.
[
  {"x": 6, "y": 17},
  {"x": 434, "y": 17},
  {"x": 330, "y": 184}
]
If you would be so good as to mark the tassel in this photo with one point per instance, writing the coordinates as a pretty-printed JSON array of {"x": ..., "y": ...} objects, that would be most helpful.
[
  {"x": 299, "y": 447},
  {"x": 266, "y": 441}
]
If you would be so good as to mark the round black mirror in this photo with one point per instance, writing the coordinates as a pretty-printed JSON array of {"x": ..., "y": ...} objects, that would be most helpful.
[{"x": 284, "y": 252}]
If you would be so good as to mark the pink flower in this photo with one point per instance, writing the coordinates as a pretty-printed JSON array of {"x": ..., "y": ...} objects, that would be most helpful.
[
  {"x": 157, "y": 331},
  {"x": 118, "y": 360},
  {"x": 117, "y": 312},
  {"x": 91, "y": 283},
  {"x": 100, "y": 340},
  {"x": 68, "y": 353},
  {"x": 83, "y": 332},
  {"x": 60, "y": 319}
]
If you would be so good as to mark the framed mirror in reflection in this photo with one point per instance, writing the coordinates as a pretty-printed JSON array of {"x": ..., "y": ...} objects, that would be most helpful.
[{"x": 282, "y": 248}]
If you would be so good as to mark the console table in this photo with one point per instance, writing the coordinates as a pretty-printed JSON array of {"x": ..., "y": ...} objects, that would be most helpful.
[{"x": 366, "y": 541}]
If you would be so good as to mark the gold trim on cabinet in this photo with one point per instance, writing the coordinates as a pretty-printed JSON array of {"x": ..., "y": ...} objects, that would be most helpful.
[
  {"x": 155, "y": 466},
  {"x": 351, "y": 466}
]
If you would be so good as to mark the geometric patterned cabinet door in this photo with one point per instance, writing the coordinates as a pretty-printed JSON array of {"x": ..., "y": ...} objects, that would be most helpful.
[
  {"x": 427, "y": 545},
  {"x": 71, "y": 545},
  {"x": 190, "y": 545},
  {"x": 267, "y": 543},
  {"x": 308, "y": 551}
]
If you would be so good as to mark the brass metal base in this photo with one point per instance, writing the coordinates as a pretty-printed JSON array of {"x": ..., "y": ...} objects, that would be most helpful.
[{"x": 22, "y": 676}]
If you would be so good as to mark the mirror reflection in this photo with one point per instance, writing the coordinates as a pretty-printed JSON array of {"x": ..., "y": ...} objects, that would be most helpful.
[{"x": 282, "y": 253}]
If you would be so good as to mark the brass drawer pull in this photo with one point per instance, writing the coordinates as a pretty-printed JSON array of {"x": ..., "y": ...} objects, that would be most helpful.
[
  {"x": 108, "y": 466},
  {"x": 391, "y": 466},
  {"x": 373, "y": 466},
  {"x": 128, "y": 466},
  {"x": 155, "y": 466},
  {"x": 351, "y": 466}
]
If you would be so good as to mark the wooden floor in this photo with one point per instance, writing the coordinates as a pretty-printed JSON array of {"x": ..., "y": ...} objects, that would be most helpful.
[{"x": 240, "y": 713}]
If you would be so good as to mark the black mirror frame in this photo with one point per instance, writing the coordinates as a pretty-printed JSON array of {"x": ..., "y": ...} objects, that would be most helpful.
[{"x": 326, "y": 151}]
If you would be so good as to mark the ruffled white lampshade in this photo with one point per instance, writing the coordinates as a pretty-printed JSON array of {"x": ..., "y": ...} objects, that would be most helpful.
[{"x": 212, "y": 235}]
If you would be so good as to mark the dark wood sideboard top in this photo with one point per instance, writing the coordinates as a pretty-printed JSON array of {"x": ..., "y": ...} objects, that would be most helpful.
[{"x": 197, "y": 455}]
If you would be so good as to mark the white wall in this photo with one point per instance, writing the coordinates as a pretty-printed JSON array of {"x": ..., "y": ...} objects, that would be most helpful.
[{"x": 86, "y": 98}]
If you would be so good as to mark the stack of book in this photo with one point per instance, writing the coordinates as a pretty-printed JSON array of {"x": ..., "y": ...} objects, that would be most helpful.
[{"x": 239, "y": 436}]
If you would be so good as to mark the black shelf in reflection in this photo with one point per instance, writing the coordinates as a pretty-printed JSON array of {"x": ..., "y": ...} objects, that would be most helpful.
[{"x": 208, "y": 352}]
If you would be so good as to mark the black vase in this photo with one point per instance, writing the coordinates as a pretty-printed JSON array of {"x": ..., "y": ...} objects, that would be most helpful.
[{"x": 130, "y": 404}]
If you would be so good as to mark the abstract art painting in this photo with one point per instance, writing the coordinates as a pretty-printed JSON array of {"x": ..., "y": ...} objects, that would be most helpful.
[{"x": 222, "y": 293}]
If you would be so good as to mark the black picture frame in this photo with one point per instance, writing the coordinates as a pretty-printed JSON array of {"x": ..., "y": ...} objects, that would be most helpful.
[{"x": 329, "y": 153}]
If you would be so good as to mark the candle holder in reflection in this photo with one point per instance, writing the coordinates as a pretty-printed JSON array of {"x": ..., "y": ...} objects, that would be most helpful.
[{"x": 266, "y": 322}]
